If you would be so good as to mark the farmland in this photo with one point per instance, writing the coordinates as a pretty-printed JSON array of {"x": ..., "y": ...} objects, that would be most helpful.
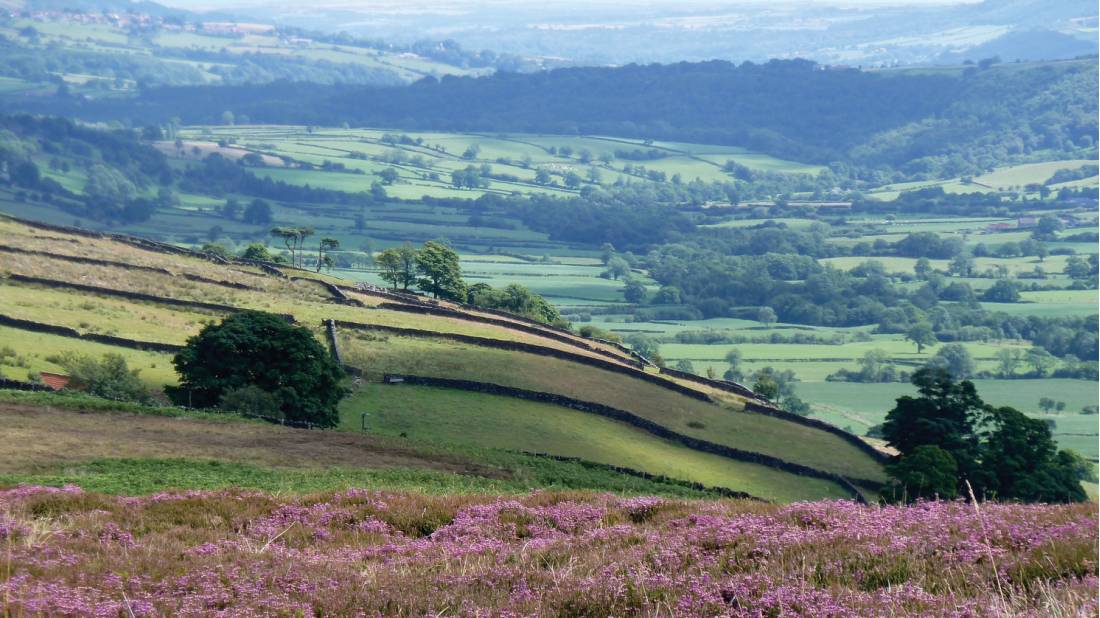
[
  {"x": 299, "y": 322},
  {"x": 424, "y": 162},
  {"x": 170, "y": 53},
  {"x": 497, "y": 248},
  {"x": 147, "y": 299}
]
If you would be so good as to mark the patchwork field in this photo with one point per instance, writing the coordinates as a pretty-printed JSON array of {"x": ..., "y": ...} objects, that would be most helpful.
[{"x": 423, "y": 162}]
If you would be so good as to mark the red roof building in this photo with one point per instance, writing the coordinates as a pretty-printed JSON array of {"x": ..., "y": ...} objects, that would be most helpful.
[{"x": 55, "y": 381}]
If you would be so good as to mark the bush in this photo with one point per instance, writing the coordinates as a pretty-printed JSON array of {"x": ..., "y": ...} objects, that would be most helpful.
[
  {"x": 109, "y": 377},
  {"x": 263, "y": 350}
]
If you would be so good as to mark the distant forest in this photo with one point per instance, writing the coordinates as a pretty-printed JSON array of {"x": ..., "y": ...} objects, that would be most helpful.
[{"x": 935, "y": 123}]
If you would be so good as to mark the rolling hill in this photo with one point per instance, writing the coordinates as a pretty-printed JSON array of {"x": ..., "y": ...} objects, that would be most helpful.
[{"x": 484, "y": 387}]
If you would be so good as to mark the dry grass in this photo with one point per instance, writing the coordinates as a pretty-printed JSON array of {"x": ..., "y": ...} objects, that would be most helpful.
[
  {"x": 89, "y": 313},
  {"x": 43, "y": 437},
  {"x": 19, "y": 235}
]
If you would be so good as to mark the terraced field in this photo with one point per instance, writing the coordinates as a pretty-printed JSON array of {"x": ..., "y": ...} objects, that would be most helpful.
[{"x": 139, "y": 292}]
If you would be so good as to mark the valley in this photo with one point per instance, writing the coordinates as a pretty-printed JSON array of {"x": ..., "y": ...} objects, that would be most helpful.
[{"x": 502, "y": 309}]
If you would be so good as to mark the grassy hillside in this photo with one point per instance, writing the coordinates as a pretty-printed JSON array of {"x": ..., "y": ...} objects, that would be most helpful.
[
  {"x": 59, "y": 439},
  {"x": 471, "y": 421}
]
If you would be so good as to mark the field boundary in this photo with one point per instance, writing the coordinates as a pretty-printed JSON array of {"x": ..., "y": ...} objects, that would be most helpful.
[
  {"x": 18, "y": 385},
  {"x": 511, "y": 320},
  {"x": 516, "y": 346},
  {"x": 531, "y": 330},
  {"x": 65, "y": 331},
  {"x": 725, "y": 492},
  {"x": 759, "y": 405},
  {"x": 638, "y": 422},
  {"x": 163, "y": 300},
  {"x": 76, "y": 259}
]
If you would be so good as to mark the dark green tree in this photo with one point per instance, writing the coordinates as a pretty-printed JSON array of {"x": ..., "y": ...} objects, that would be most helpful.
[
  {"x": 634, "y": 292},
  {"x": 326, "y": 244},
  {"x": 257, "y": 251},
  {"x": 440, "y": 273},
  {"x": 944, "y": 415},
  {"x": 1023, "y": 463},
  {"x": 1004, "y": 291},
  {"x": 398, "y": 266},
  {"x": 927, "y": 472},
  {"x": 260, "y": 349},
  {"x": 258, "y": 212},
  {"x": 955, "y": 360},
  {"x": 921, "y": 335}
]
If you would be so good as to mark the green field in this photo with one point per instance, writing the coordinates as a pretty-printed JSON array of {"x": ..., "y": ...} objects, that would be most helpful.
[
  {"x": 682, "y": 414},
  {"x": 33, "y": 351},
  {"x": 1007, "y": 178},
  {"x": 860, "y": 406},
  {"x": 425, "y": 154},
  {"x": 444, "y": 416}
]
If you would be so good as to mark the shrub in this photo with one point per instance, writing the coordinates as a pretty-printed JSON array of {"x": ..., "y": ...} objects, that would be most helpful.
[{"x": 109, "y": 377}]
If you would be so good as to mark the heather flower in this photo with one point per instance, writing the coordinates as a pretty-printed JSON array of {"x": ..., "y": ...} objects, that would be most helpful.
[{"x": 366, "y": 553}]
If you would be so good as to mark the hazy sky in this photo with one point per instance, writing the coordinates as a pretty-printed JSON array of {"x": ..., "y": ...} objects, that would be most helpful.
[{"x": 428, "y": 4}]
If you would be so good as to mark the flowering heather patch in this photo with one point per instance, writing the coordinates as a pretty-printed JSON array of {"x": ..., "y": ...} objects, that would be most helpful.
[{"x": 357, "y": 552}]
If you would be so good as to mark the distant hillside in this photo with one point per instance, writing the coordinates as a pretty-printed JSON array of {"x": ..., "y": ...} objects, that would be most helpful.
[
  {"x": 112, "y": 49},
  {"x": 922, "y": 121},
  {"x": 1025, "y": 45},
  {"x": 601, "y": 33}
]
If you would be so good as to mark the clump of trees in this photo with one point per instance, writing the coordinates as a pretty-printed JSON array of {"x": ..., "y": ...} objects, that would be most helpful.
[
  {"x": 108, "y": 377},
  {"x": 952, "y": 442},
  {"x": 516, "y": 299},
  {"x": 434, "y": 268},
  {"x": 255, "y": 361},
  {"x": 778, "y": 386}
]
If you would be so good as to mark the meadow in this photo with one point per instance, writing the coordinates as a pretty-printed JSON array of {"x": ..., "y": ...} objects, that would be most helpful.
[{"x": 723, "y": 424}]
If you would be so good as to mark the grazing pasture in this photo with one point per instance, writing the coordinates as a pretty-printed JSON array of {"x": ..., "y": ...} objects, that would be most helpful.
[{"x": 442, "y": 416}]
